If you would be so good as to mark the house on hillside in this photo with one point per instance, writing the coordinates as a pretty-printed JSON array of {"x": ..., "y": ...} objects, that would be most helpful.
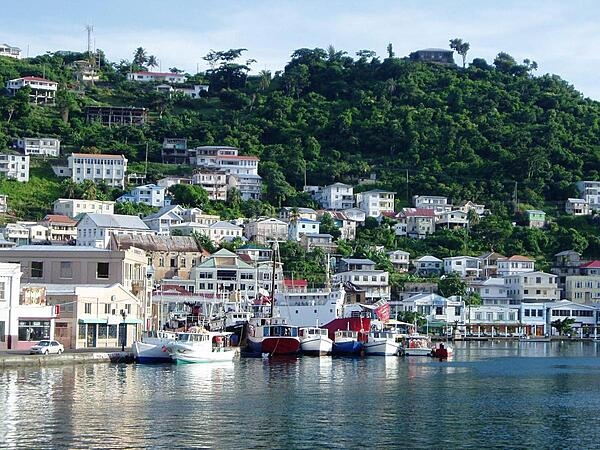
[
  {"x": 164, "y": 219},
  {"x": 95, "y": 230},
  {"x": 74, "y": 208},
  {"x": 577, "y": 207},
  {"x": 375, "y": 202},
  {"x": 156, "y": 77},
  {"x": 535, "y": 218},
  {"x": 428, "y": 266},
  {"x": 10, "y": 51},
  {"x": 43, "y": 92},
  {"x": 435, "y": 55},
  {"x": 149, "y": 194},
  {"x": 39, "y": 146},
  {"x": 15, "y": 167}
]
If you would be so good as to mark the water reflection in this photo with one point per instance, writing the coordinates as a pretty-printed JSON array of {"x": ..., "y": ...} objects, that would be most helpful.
[{"x": 511, "y": 395}]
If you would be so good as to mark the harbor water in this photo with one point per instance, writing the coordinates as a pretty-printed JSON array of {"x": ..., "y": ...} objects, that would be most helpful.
[{"x": 490, "y": 395}]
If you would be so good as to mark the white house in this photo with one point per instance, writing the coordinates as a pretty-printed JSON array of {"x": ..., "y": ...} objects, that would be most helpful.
[
  {"x": 289, "y": 213},
  {"x": 375, "y": 202},
  {"x": 532, "y": 287},
  {"x": 400, "y": 260},
  {"x": 452, "y": 219},
  {"x": 577, "y": 207},
  {"x": 266, "y": 229},
  {"x": 15, "y": 167},
  {"x": 468, "y": 205},
  {"x": 25, "y": 316},
  {"x": 157, "y": 77},
  {"x": 42, "y": 91},
  {"x": 165, "y": 218},
  {"x": 224, "y": 231},
  {"x": 94, "y": 230},
  {"x": 39, "y": 146},
  {"x": 465, "y": 266},
  {"x": 149, "y": 194},
  {"x": 97, "y": 168},
  {"x": 355, "y": 214},
  {"x": 336, "y": 196},
  {"x": 590, "y": 192},
  {"x": 514, "y": 265},
  {"x": 493, "y": 320},
  {"x": 193, "y": 91},
  {"x": 437, "y": 203},
  {"x": 214, "y": 182},
  {"x": 440, "y": 312},
  {"x": 375, "y": 283},
  {"x": 249, "y": 185},
  {"x": 74, "y": 208},
  {"x": 415, "y": 223},
  {"x": 491, "y": 290},
  {"x": 302, "y": 226},
  {"x": 428, "y": 265},
  {"x": 10, "y": 51},
  {"x": 535, "y": 318},
  {"x": 585, "y": 316}
]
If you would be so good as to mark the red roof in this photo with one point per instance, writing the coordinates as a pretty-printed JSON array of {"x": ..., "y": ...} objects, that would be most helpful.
[
  {"x": 37, "y": 79},
  {"x": 97, "y": 155},
  {"x": 518, "y": 258},
  {"x": 294, "y": 283},
  {"x": 418, "y": 212},
  {"x": 160, "y": 74},
  {"x": 56, "y": 218},
  {"x": 591, "y": 265}
]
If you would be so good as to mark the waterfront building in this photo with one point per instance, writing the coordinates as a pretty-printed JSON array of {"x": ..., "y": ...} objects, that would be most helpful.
[
  {"x": 493, "y": 320},
  {"x": 532, "y": 287},
  {"x": 168, "y": 256},
  {"x": 75, "y": 208},
  {"x": 584, "y": 316},
  {"x": 439, "y": 312}
]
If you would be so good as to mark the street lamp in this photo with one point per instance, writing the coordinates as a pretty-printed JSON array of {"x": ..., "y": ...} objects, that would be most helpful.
[{"x": 123, "y": 333}]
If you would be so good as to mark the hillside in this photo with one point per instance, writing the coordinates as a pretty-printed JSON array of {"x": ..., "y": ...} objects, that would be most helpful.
[{"x": 479, "y": 133}]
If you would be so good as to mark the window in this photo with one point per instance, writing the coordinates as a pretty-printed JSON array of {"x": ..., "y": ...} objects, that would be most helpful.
[
  {"x": 112, "y": 331},
  {"x": 439, "y": 310},
  {"x": 34, "y": 330},
  {"x": 173, "y": 262},
  {"x": 128, "y": 308},
  {"x": 2, "y": 331},
  {"x": 102, "y": 270},
  {"x": 107, "y": 308},
  {"x": 2, "y": 293},
  {"x": 88, "y": 308},
  {"x": 66, "y": 269},
  {"x": 37, "y": 269},
  {"x": 82, "y": 330}
]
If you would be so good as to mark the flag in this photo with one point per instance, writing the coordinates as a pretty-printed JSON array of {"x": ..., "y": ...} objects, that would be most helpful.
[{"x": 382, "y": 310}]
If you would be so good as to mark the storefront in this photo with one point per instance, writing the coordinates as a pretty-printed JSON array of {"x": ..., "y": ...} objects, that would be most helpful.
[{"x": 100, "y": 333}]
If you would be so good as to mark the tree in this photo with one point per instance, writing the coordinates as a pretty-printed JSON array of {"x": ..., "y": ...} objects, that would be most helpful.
[
  {"x": 452, "y": 284},
  {"x": 66, "y": 102},
  {"x": 152, "y": 61},
  {"x": 564, "y": 326},
  {"x": 461, "y": 48},
  {"x": 390, "y": 50},
  {"x": 140, "y": 57},
  {"x": 412, "y": 317},
  {"x": 88, "y": 190},
  {"x": 189, "y": 194}
]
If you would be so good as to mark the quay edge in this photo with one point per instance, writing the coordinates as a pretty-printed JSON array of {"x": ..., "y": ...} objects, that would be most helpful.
[{"x": 8, "y": 360}]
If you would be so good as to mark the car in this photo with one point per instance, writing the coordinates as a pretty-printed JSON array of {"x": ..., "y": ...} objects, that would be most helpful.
[{"x": 47, "y": 346}]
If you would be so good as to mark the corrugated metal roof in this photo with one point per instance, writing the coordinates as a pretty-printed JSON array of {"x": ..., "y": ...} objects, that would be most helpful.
[{"x": 153, "y": 243}]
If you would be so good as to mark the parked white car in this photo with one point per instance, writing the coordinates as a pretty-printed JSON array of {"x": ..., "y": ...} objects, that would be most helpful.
[{"x": 47, "y": 346}]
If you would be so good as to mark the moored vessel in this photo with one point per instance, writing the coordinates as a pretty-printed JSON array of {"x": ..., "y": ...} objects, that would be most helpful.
[{"x": 315, "y": 341}]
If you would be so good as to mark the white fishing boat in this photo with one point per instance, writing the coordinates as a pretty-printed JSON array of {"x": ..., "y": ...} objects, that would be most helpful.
[
  {"x": 152, "y": 348},
  {"x": 202, "y": 347},
  {"x": 383, "y": 343},
  {"x": 418, "y": 345},
  {"x": 315, "y": 341}
]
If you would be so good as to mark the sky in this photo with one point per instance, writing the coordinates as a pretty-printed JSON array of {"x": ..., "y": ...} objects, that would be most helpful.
[{"x": 561, "y": 36}]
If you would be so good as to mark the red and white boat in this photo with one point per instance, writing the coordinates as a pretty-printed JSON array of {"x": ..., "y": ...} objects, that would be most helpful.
[{"x": 272, "y": 336}]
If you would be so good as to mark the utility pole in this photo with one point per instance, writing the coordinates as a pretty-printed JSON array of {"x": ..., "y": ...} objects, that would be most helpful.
[{"x": 515, "y": 199}]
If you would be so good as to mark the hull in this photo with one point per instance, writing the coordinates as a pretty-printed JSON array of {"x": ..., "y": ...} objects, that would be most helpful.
[
  {"x": 318, "y": 345},
  {"x": 418, "y": 351},
  {"x": 150, "y": 353},
  {"x": 280, "y": 345},
  {"x": 204, "y": 357},
  {"x": 347, "y": 348},
  {"x": 385, "y": 347}
]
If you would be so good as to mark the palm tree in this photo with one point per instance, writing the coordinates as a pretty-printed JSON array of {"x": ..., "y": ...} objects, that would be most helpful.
[
  {"x": 140, "y": 57},
  {"x": 152, "y": 61}
]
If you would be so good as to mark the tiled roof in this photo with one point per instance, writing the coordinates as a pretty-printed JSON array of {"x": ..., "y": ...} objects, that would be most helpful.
[
  {"x": 591, "y": 265},
  {"x": 36, "y": 79},
  {"x": 159, "y": 74},
  {"x": 97, "y": 155},
  {"x": 58, "y": 218},
  {"x": 517, "y": 258}
]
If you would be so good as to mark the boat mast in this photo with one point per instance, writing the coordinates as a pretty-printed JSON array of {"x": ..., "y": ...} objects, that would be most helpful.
[{"x": 275, "y": 247}]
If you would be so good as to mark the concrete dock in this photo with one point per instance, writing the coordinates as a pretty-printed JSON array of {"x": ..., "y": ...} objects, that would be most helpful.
[{"x": 11, "y": 359}]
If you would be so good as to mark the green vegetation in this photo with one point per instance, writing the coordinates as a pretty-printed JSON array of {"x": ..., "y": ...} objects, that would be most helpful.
[{"x": 468, "y": 133}]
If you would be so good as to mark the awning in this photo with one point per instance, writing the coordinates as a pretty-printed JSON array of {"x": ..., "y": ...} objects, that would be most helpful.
[
  {"x": 92, "y": 320},
  {"x": 135, "y": 321}
]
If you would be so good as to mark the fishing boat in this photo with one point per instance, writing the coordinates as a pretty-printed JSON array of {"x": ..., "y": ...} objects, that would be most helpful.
[
  {"x": 347, "y": 342},
  {"x": 272, "y": 336},
  {"x": 152, "y": 348},
  {"x": 315, "y": 341},
  {"x": 418, "y": 345},
  {"x": 202, "y": 347},
  {"x": 383, "y": 343}
]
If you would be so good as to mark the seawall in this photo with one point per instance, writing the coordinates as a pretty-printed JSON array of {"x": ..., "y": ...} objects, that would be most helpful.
[{"x": 10, "y": 360}]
